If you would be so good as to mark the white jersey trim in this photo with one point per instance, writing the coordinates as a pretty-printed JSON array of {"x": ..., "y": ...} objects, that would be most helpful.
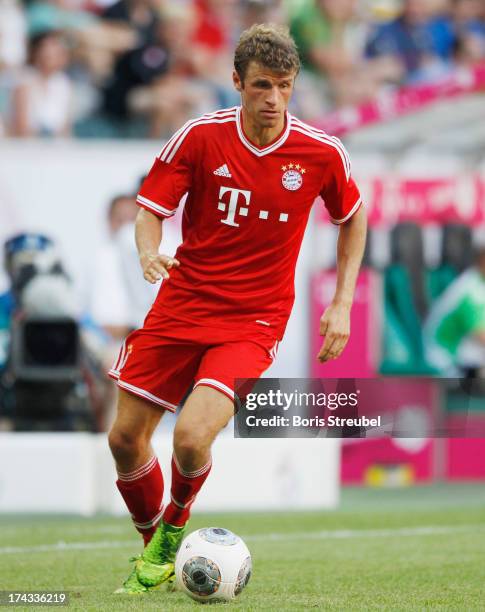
[
  {"x": 331, "y": 141},
  {"x": 353, "y": 210},
  {"x": 166, "y": 212},
  {"x": 172, "y": 146},
  {"x": 338, "y": 143},
  {"x": 249, "y": 145},
  {"x": 274, "y": 350}
]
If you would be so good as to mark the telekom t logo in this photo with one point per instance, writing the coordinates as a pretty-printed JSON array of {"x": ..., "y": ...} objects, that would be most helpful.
[{"x": 232, "y": 208}]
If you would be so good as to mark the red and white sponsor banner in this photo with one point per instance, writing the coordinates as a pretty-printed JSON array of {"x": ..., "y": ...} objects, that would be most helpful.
[
  {"x": 392, "y": 199},
  {"x": 465, "y": 458},
  {"x": 392, "y": 104},
  {"x": 413, "y": 405},
  {"x": 360, "y": 357},
  {"x": 358, "y": 456}
]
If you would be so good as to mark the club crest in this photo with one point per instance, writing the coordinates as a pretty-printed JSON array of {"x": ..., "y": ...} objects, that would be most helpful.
[{"x": 292, "y": 178}]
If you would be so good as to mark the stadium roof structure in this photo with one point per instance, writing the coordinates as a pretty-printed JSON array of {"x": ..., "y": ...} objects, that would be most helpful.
[
  {"x": 450, "y": 126},
  {"x": 447, "y": 116}
]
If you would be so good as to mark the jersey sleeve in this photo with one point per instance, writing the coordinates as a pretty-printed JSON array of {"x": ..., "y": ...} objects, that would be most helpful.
[
  {"x": 170, "y": 177},
  {"x": 340, "y": 194}
]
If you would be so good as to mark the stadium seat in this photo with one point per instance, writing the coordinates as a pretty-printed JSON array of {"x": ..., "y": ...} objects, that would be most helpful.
[
  {"x": 405, "y": 304},
  {"x": 456, "y": 254}
]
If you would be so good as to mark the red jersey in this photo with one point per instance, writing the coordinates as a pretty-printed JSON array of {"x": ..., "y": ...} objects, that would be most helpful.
[{"x": 245, "y": 215}]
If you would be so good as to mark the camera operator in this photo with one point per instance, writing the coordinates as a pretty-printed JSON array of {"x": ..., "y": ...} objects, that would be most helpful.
[{"x": 48, "y": 368}]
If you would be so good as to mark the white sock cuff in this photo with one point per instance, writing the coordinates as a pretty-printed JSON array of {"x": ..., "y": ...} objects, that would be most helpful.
[
  {"x": 139, "y": 472},
  {"x": 205, "y": 468},
  {"x": 151, "y": 523}
]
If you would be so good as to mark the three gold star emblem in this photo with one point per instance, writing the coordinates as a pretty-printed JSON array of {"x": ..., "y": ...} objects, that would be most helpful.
[{"x": 291, "y": 165}]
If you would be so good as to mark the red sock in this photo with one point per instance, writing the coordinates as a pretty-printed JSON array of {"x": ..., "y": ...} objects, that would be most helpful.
[
  {"x": 142, "y": 491},
  {"x": 185, "y": 486}
]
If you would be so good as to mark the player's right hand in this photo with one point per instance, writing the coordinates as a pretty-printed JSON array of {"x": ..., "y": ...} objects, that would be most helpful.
[{"x": 156, "y": 266}]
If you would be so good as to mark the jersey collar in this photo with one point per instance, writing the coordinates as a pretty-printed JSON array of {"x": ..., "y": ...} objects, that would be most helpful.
[{"x": 271, "y": 147}]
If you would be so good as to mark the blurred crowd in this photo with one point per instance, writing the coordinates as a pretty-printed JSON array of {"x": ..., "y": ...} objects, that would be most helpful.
[{"x": 137, "y": 68}]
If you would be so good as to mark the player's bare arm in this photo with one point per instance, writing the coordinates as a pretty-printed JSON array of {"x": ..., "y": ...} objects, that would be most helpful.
[
  {"x": 335, "y": 321},
  {"x": 148, "y": 236}
]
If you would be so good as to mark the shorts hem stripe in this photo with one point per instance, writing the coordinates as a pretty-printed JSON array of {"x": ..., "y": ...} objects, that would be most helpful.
[
  {"x": 215, "y": 384},
  {"x": 146, "y": 395}
]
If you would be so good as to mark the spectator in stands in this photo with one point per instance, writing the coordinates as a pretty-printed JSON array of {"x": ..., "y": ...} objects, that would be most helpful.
[
  {"x": 469, "y": 26},
  {"x": 263, "y": 11},
  {"x": 331, "y": 41},
  {"x": 143, "y": 67},
  {"x": 141, "y": 16},
  {"x": 179, "y": 91},
  {"x": 455, "y": 328},
  {"x": 469, "y": 16},
  {"x": 42, "y": 99},
  {"x": 421, "y": 39},
  {"x": 110, "y": 306},
  {"x": 212, "y": 29},
  {"x": 469, "y": 49},
  {"x": 13, "y": 51},
  {"x": 46, "y": 15},
  {"x": 120, "y": 294},
  {"x": 324, "y": 33},
  {"x": 94, "y": 43},
  {"x": 140, "y": 66},
  {"x": 12, "y": 34},
  {"x": 321, "y": 31},
  {"x": 210, "y": 41}
]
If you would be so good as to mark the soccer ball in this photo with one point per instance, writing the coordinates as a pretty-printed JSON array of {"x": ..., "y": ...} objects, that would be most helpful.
[{"x": 212, "y": 564}]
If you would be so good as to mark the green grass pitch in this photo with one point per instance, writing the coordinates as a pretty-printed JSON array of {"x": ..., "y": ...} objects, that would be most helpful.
[{"x": 421, "y": 548}]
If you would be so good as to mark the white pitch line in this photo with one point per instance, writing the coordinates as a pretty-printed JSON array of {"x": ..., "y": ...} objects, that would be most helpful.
[
  {"x": 278, "y": 537},
  {"x": 67, "y": 546},
  {"x": 365, "y": 533},
  {"x": 70, "y": 529}
]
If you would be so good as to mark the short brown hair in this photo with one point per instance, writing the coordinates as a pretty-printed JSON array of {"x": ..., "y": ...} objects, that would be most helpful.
[{"x": 269, "y": 45}]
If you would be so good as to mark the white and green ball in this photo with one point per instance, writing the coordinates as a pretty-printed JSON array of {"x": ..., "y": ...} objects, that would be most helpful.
[{"x": 212, "y": 564}]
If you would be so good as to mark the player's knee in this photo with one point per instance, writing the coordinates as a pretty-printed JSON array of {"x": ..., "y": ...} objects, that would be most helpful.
[
  {"x": 189, "y": 444},
  {"x": 125, "y": 443}
]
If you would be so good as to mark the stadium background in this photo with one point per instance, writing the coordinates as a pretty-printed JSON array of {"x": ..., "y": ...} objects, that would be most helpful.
[{"x": 89, "y": 91}]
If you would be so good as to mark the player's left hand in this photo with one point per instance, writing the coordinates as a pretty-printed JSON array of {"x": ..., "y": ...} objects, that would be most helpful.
[{"x": 335, "y": 326}]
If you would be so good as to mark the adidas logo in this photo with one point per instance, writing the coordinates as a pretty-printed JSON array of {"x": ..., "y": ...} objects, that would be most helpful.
[{"x": 223, "y": 171}]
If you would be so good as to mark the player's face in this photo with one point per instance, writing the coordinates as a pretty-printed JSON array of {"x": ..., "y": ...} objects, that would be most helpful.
[{"x": 265, "y": 94}]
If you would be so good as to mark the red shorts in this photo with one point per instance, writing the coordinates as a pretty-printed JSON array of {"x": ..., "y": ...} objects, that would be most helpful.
[{"x": 161, "y": 361}]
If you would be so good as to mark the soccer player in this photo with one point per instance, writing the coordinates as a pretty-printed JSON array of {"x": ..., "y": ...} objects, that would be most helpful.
[{"x": 252, "y": 174}]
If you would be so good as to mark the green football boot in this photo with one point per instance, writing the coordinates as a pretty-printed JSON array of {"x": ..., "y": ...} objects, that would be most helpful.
[
  {"x": 157, "y": 562},
  {"x": 132, "y": 586}
]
